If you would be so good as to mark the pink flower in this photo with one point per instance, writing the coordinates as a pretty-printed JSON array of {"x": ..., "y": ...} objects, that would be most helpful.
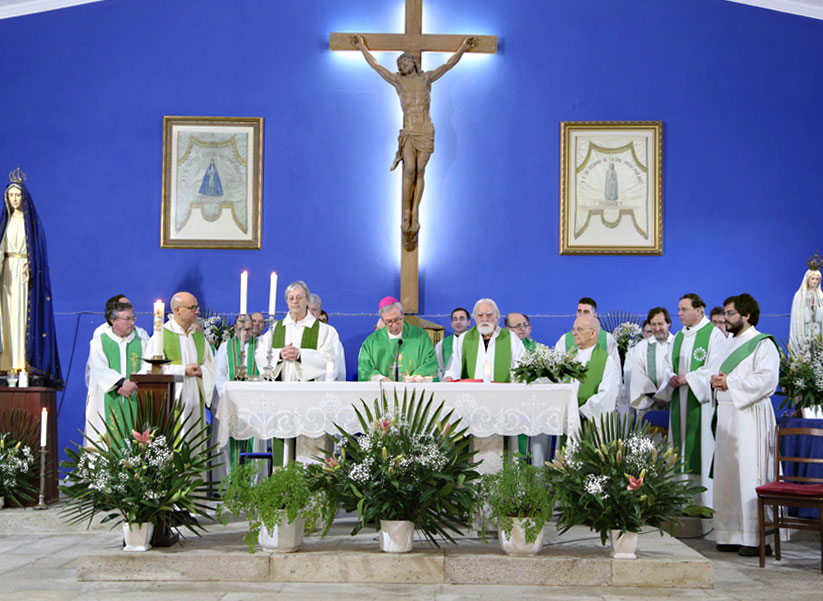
[
  {"x": 332, "y": 462},
  {"x": 634, "y": 483},
  {"x": 144, "y": 438},
  {"x": 384, "y": 424}
]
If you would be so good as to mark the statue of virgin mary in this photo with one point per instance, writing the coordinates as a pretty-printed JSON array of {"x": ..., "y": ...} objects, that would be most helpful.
[
  {"x": 27, "y": 330},
  {"x": 807, "y": 308}
]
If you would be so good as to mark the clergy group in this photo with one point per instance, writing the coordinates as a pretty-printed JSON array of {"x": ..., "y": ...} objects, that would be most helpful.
[{"x": 723, "y": 369}]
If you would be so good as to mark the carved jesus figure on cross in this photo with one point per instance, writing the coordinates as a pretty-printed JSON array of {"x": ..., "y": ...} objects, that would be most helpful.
[{"x": 416, "y": 139}]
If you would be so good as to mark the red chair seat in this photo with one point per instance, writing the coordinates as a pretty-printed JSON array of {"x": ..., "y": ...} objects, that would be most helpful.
[{"x": 791, "y": 488}]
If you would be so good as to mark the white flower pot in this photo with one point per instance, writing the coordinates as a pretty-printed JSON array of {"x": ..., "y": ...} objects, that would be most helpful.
[
  {"x": 623, "y": 544},
  {"x": 815, "y": 412},
  {"x": 285, "y": 537},
  {"x": 516, "y": 545},
  {"x": 396, "y": 536},
  {"x": 137, "y": 536}
]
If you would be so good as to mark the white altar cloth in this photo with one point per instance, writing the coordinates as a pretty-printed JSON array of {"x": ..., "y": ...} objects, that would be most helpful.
[{"x": 291, "y": 409}]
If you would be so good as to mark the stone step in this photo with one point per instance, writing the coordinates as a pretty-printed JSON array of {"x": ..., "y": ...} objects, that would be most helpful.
[{"x": 574, "y": 559}]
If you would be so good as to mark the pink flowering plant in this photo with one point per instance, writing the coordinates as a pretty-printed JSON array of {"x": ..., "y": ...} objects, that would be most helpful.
[
  {"x": 614, "y": 476},
  {"x": 410, "y": 461},
  {"x": 143, "y": 468}
]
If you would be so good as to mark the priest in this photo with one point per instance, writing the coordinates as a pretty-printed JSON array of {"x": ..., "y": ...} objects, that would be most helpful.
[
  {"x": 301, "y": 345},
  {"x": 587, "y": 306},
  {"x": 646, "y": 371},
  {"x": 688, "y": 386},
  {"x": 316, "y": 309},
  {"x": 460, "y": 321},
  {"x": 117, "y": 298},
  {"x": 597, "y": 393},
  {"x": 745, "y": 376},
  {"x": 518, "y": 323},
  {"x": 114, "y": 356},
  {"x": 191, "y": 357},
  {"x": 397, "y": 349}
]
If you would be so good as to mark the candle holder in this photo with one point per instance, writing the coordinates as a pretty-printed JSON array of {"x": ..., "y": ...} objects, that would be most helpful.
[
  {"x": 41, "y": 502},
  {"x": 157, "y": 362},
  {"x": 268, "y": 371},
  {"x": 241, "y": 374}
]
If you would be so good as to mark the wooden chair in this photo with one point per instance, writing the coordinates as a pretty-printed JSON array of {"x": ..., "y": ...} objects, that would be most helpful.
[{"x": 790, "y": 491}]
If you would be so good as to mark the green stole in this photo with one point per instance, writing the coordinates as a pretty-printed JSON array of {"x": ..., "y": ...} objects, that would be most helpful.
[
  {"x": 113, "y": 402},
  {"x": 233, "y": 354},
  {"x": 651, "y": 362},
  {"x": 594, "y": 375},
  {"x": 502, "y": 355},
  {"x": 447, "y": 348},
  {"x": 691, "y": 449},
  {"x": 743, "y": 351},
  {"x": 307, "y": 340},
  {"x": 529, "y": 344},
  {"x": 171, "y": 346},
  {"x": 602, "y": 341}
]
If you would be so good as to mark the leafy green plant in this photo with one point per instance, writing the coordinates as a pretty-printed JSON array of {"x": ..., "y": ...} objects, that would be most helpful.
[
  {"x": 614, "y": 476},
  {"x": 285, "y": 493},
  {"x": 410, "y": 462},
  {"x": 19, "y": 446},
  {"x": 149, "y": 474},
  {"x": 801, "y": 375},
  {"x": 518, "y": 490}
]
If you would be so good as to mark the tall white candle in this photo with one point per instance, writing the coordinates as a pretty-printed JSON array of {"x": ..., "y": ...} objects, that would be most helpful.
[
  {"x": 487, "y": 372},
  {"x": 23, "y": 379},
  {"x": 44, "y": 423},
  {"x": 273, "y": 293},
  {"x": 244, "y": 292},
  {"x": 159, "y": 310}
]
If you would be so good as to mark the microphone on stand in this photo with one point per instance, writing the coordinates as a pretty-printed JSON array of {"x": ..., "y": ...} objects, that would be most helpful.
[{"x": 397, "y": 357}]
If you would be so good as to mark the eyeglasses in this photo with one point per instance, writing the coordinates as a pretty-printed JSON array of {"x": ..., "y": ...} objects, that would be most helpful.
[
  {"x": 193, "y": 308},
  {"x": 126, "y": 319},
  {"x": 581, "y": 330},
  {"x": 731, "y": 313},
  {"x": 520, "y": 326},
  {"x": 390, "y": 322}
]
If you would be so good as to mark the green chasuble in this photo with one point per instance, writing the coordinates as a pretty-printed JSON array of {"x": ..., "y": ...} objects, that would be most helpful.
[
  {"x": 113, "y": 402},
  {"x": 594, "y": 375},
  {"x": 602, "y": 341},
  {"x": 502, "y": 355},
  {"x": 691, "y": 447},
  {"x": 416, "y": 354}
]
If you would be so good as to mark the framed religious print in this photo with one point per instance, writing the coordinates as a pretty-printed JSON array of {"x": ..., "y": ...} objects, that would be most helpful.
[
  {"x": 611, "y": 199},
  {"x": 212, "y": 182}
]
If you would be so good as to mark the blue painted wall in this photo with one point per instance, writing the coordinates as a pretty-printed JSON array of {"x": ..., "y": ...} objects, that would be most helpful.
[{"x": 739, "y": 89}]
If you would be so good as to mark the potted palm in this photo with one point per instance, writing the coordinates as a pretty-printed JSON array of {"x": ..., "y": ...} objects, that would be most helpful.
[
  {"x": 614, "y": 477},
  {"x": 409, "y": 468},
  {"x": 276, "y": 507},
  {"x": 518, "y": 498},
  {"x": 145, "y": 479}
]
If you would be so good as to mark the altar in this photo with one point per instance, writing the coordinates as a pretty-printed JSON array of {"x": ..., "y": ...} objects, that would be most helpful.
[{"x": 309, "y": 411}]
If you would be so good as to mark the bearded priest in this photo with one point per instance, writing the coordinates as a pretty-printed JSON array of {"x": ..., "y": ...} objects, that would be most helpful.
[{"x": 399, "y": 349}]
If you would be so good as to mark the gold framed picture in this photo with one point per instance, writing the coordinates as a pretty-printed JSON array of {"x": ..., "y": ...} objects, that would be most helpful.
[
  {"x": 611, "y": 176},
  {"x": 212, "y": 182}
]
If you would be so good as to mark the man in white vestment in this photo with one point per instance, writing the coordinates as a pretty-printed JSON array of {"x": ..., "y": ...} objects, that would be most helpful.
[
  {"x": 746, "y": 373},
  {"x": 519, "y": 324},
  {"x": 227, "y": 357},
  {"x": 487, "y": 343},
  {"x": 191, "y": 357},
  {"x": 718, "y": 319},
  {"x": 115, "y": 354},
  {"x": 461, "y": 321},
  {"x": 316, "y": 309},
  {"x": 689, "y": 388},
  {"x": 301, "y": 344},
  {"x": 597, "y": 393},
  {"x": 258, "y": 324},
  {"x": 587, "y": 306},
  {"x": 646, "y": 370},
  {"x": 141, "y": 333}
]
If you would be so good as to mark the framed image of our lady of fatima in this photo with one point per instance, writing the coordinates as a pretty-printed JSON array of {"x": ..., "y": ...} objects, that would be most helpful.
[
  {"x": 212, "y": 182},
  {"x": 611, "y": 199}
]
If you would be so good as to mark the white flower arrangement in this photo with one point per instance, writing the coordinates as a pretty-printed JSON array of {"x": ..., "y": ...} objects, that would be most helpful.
[
  {"x": 16, "y": 462},
  {"x": 546, "y": 362},
  {"x": 627, "y": 334}
]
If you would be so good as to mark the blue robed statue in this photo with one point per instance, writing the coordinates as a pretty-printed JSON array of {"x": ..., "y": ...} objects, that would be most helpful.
[{"x": 27, "y": 332}]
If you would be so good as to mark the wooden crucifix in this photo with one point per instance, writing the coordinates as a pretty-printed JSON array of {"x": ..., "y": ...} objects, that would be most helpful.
[{"x": 416, "y": 141}]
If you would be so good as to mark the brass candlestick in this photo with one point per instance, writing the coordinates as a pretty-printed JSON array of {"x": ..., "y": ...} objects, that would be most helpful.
[
  {"x": 268, "y": 371},
  {"x": 157, "y": 362},
  {"x": 41, "y": 502}
]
